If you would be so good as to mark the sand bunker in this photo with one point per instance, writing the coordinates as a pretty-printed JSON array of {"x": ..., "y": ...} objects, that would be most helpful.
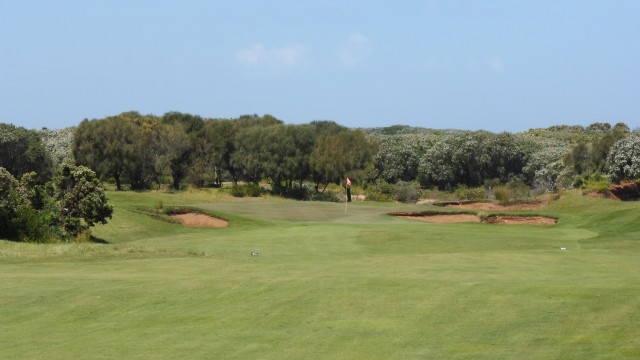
[
  {"x": 471, "y": 218},
  {"x": 497, "y": 207},
  {"x": 200, "y": 220},
  {"x": 519, "y": 220},
  {"x": 443, "y": 219}
]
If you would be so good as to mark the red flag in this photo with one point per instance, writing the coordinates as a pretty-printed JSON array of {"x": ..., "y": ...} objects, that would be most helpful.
[{"x": 348, "y": 182}]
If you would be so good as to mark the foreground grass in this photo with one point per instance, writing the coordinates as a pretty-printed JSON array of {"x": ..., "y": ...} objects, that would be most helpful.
[{"x": 328, "y": 285}]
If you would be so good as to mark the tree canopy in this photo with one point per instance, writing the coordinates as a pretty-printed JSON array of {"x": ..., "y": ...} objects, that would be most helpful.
[
  {"x": 61, "y": 209},
  {"x": 22, "y": 151},
  {"x": 137, "y": 151}
]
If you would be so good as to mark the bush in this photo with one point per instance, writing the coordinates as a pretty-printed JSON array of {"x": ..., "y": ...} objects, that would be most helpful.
[
  {"x": 513, "y": 191},
  {"x": 440, "y": 195},
  {"x": 408, "y": 192},
  {"x": 60, "y": 210},
  {"x": 593, "y": 182},
  {"x": 237, "y": 191},
  {"x": 252, "y": 190},
  {"x": 324, "y": 196},
  {"x": 380, "y": 191},
  {"x": 36, "y": 226},
  {"x": 624, "y": 159},
  {"x": 463, "y": 192}
]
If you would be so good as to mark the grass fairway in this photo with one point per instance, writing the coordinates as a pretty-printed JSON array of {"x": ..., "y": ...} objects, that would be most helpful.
[{"x": 326, "y": 285}]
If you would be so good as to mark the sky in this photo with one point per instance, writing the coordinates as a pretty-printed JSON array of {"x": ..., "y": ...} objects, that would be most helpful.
[{"x": 497, "y": 65}]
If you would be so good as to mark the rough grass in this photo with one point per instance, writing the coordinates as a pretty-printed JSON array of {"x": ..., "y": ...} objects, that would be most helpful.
[{"x": 363, "y": 285}]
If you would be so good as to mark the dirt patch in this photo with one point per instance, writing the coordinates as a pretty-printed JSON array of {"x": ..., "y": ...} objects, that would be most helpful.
[
  {"x": 444, "y": 219},
  {"x": 602, "y": 195},
  {"x": 200, "y": 220},
  {"x": 626, "y": 191},
  {"x": 496, "y": 207},
  {"x": 426, "y": 202},
  {"x": 520, "y": 220},
  {"x": 473, "y": 218}
]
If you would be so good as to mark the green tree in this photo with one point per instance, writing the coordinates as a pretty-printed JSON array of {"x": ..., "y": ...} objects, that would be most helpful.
[
  {"x": 61, "y": 209},
  {"x": 337, "y": 155},
  {"x": 22, "y": 151},
  {"x": 579, "y": 159},
  {"x": 214, "y": 147},
  {"x": 398, "y": 158},
  {"x": 624, "y": 159},
  {"x": 545, "y": 167},
  {"x": 284, "y": 153},
  {"x": 124, "y": 147},
  {"x": 80, "y": 198},
  {"x": 600, "y": 148},
  {"x": 248, "y": 157},
  {"x": 175, "y": 154},
  {"x": 59, "y": 144},
  {"x": 192, "y": 124},
  {"x": 12, "y": 197}
]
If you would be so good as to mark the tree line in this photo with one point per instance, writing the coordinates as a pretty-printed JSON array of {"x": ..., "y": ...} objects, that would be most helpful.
[
  {"x": 183, "y": 149},
  {"x": 139, "y": 152}
]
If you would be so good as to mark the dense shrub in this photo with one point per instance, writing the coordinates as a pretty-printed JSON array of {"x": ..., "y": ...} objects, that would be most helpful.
[
  {"x": 380, "y": 191},
  {"x": 624, "y": 159},
  {"x": 324, "y": 196},
  {"x": 59, "y": 144},
  {"x": 513, "y": 191},
  {"x": 463, "y": 192},
  {"x": 62, "y": 209},
  {"x": 469, "y": 158},
  {"x": 545, "y": 166},
  {"x": 593, "y": 182},
  {"x": 22, "y": 151},
  {"x": 251, "y": 190},
  {"x": 408, "y": 192}
]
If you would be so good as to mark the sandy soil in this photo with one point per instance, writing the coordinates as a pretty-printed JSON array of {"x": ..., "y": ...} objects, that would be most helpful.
[
  {"x": 200, "y": 220},
  {"x": 445, "y": 219},
  {"x": 497, "y": 207},
  {"x": 500, "y": 219},
  {"x": 518, "y": 220}
]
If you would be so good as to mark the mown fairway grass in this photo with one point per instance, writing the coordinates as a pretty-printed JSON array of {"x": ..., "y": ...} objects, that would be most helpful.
[{"x": 328, "y": 285}]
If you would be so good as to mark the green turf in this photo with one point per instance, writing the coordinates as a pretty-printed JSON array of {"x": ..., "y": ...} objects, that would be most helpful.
[{"x": 328, "y": 285}]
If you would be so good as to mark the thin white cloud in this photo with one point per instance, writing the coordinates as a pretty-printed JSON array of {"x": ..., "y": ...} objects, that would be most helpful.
[
  {"x": 496, "y": 64},
  {"x": 355, "y": 50},
  {"x": 259, "y": 56}
]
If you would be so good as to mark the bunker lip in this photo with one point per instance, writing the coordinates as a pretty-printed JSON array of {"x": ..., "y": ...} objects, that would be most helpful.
[
  {"x": 449, "y": 218},
  {"x": 200, "y": 220},
  {"x": 521, "y": 219},
  {"x": 443, "y": 218},
  {"x": 494, "y": 206}
]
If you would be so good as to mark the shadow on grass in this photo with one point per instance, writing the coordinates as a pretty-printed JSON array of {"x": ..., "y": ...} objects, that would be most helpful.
[{"x": 96, "y": 240}]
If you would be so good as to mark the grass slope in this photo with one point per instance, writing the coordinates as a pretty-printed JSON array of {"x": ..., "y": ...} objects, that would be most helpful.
[{"x": 328, "y": 285}]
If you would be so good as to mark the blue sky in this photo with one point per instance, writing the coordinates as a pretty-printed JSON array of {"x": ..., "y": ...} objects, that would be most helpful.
[{"x": 498, "y": 65}]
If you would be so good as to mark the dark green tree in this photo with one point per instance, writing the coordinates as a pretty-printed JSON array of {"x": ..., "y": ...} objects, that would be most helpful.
[
  {"x": 22, "y": 151},
  {"x": 248, "y": 157},
  {"x": 80, "y": 198},
  {"x": 214, "y": 147},
  {"x": 192, "y": 124},
  {"x": 124, "y": 147},
  {"x": 470, "y": 158},
  {"x": 336, "y": 156},
  {"x": 12, "y": 197},
  {"x": 175, "y": 152},
  {"x": 285, "y": 153}
]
